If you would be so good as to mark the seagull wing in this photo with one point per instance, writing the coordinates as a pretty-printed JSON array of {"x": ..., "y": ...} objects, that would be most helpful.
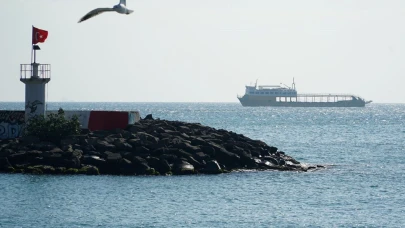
[
  {"x": 123, "y": 2},
  {"x": 95, "y": 12}
]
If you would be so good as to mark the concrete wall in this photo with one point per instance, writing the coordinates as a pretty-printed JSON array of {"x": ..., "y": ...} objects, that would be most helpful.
[{"x": 12, "y": 123}]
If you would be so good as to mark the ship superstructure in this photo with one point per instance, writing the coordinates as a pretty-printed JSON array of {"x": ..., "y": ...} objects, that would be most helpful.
[{"x": 282, "y": 95}]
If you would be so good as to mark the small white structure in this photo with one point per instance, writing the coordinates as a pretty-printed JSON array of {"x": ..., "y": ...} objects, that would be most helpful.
[{"x": 35, "y": 76}]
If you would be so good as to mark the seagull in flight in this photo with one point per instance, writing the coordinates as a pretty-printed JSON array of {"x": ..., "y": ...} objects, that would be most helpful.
[{"x": 119, "y": 8}]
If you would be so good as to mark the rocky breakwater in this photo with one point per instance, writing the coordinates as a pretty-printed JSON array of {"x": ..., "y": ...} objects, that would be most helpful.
[{"x": 149, "y": 147}]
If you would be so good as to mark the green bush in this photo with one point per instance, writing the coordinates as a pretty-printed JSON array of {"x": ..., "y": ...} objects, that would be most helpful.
[{"x": 54, "y": 127}]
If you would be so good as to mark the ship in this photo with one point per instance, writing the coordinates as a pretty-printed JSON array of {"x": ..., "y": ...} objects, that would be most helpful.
[{"x": 285, "y": 96}]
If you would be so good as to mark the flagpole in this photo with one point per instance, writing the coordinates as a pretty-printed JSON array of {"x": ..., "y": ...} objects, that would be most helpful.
[{"x": 32, "y": 49}]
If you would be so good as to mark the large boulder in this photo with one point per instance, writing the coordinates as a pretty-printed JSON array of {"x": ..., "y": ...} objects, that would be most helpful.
[
  {"x": 93, "y": 160},
  {"x": 103, "y": 145},
  {"x": 160, "y": 165},
  {"x": 141, "y": 166},
  {"x": 212, "y": 167},
  {"x": 182, "y": 167}
]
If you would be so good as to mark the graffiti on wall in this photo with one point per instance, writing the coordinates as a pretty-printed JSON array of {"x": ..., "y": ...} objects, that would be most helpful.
[
  {"x": 31, "y": 108},
  {"x": 12, "y": 124}
]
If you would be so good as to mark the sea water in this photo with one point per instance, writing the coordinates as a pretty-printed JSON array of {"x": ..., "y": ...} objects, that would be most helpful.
[{"x": 362, "y": 186}]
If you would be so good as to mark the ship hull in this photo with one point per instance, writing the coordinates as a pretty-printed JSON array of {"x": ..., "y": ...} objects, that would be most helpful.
[{"x": 249, "y": 101}]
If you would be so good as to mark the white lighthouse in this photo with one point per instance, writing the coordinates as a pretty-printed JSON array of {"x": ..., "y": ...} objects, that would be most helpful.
[{"x": 35, "y": 76}]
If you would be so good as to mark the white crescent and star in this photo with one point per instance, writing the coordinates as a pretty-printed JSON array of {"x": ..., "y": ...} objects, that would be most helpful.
[
  {"x": 36, "y": 36},
  {"x": 119, "y": 8}
]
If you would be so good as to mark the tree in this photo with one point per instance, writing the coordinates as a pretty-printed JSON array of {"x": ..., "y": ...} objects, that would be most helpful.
[{"x": 53, "y": 127}]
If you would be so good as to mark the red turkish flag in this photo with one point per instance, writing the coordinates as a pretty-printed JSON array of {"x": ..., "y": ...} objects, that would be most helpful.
[{"x": 38, "y": 35}]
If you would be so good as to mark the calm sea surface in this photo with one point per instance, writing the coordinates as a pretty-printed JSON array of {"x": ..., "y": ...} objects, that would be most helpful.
[{"x": 363, "y": 186}]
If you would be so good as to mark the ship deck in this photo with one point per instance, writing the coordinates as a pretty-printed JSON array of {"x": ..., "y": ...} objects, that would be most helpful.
[{"x": 313, "y": 97}]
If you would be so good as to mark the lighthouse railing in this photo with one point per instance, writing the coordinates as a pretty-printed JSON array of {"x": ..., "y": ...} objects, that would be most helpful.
[{"x": 27, "y": 71}]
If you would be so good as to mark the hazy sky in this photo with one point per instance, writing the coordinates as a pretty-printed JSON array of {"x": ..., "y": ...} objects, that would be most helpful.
[{"x": 207, "y": 50}]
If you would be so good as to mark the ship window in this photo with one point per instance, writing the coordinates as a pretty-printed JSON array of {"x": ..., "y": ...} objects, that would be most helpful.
[
  {"x": 267, "y": 92},
  {"x": 251, "y": 93},
  {"x": 271, "y": 92},
  {"x": 261, "y": 92},
  {"x": 276, "y": 93},
  {"x": 257, "y": 92}
]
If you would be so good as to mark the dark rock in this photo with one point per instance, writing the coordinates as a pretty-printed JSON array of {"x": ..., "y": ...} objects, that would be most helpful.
[
  {"x": 179, "y": 153},
  {"x": 112, "y": 157},
  {"x": 44, "y": 146},
  {"x": 212, "y": 167},
  {"x": 137, "y": 128},
  {"x": 67, "y": 148},
  {"x": 159, "y": 151},
  {"x": 141, "y": 150},
  {"x": 273, "y": 150},
  {"x": 194, "y": 162},
  {"x": 102, "y": 145},
  {"x": 87, "y": 148},
  {"x": 247, "y": 161},
  {"x": 160, "y": 130},
  {"x": 69, "y": 141},
  {"x": 6, "y": 152},
  {"x": 126, "y": 167},
  {"x": 30, "y": 139},
  {"x": 229, "y": 159},
  {"x": 93, "y": 160},
  {"x": 288, "y": 158},
  {"x": 115, "y": 136},
  {"x": 100, "y": 133},
  {"x": 160, "y": 165},
  {"x": 264, "y": 152},
  {"x": 183, "y": 167},
  {"x": 113, "y": 165},
  {"x": 73, "y": 162},
  {"x": 95, "y": 153},
  {"x": 209, "y": 150},
  {"x": 170, "y": 158},
  {"x": 60, "y": 170},
  {"x": 56, "y": 150},
  {"x": 22, "y": 158},
  {"x": 33, "y": 170},
  {"x": 148, "y": 117},
  {"x": 273, "y": 160},
  {"x": 123, "y": 146},
  {"x": 76, "y": 147},
  {"x": 135, "y": 142},
  {"x": 126, "y": 134},
  {"x": 147, "y": 137},
  {"x": 188, "y": 148},
  {"x": 92, "y": 141},
  {"x": 46, "y": 169},
  {"x": 197, "y": 141},
  {"x": 77, "y": 153},
  {"x": 201, "y": 157},
  {"x": 141, "y": 166},
  {"x": 89, "y": 170},
  {"x": 5, "y": 165}
]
